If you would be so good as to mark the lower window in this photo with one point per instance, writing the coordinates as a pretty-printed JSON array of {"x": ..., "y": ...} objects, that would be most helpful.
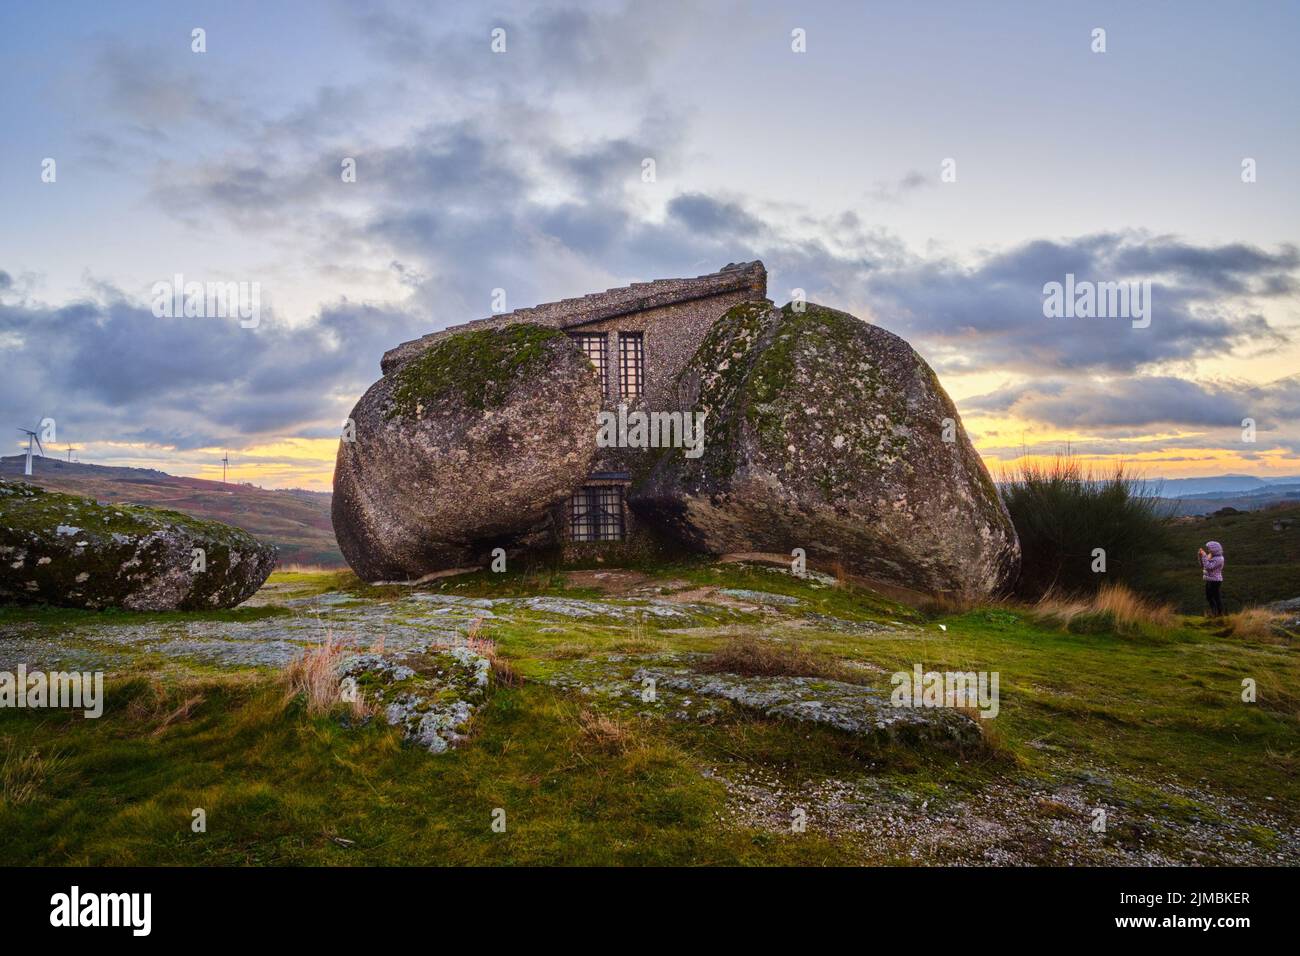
[{"x": 596, "y": 513}]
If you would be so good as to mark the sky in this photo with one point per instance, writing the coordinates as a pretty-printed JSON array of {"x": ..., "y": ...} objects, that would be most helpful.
[{"x": 928, "y": 167}]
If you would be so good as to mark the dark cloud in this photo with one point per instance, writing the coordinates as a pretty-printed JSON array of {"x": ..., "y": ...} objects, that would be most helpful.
[
  {"x": 991, "y": 314},
  {"x": 1232, "y": 269},
  {"x": 712, "y": 217}
]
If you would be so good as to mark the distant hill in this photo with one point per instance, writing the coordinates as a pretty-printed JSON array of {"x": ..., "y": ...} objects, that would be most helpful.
[
  {"x": 1236, "y": 484},
  {"x": 1199, "y": 496},
  {"x": 295, "y": 521},
  {"x": 1210, "y": 502},
  {"x": 1262, "y": 548}
]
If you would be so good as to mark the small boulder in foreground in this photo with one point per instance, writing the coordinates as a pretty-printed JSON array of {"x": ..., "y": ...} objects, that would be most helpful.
[{"x": 74, "y": 552}]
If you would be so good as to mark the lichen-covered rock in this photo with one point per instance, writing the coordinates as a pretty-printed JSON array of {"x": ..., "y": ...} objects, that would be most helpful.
[
  {"x": 464, "y": 448},
  {"x": 828, "y": 434},
  {"x": 430, "y": 694},
  {"x": 851, "y": 708},
  {"x": 74, "y": 552}
]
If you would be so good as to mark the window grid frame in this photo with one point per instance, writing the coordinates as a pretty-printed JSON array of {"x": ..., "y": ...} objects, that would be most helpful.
[
  {"x": 596, "y": 514},
  {"x": 586, "y": 341},
  {"x": 631, "y": 364}
]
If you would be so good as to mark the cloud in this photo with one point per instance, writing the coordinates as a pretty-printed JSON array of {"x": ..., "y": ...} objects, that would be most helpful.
[
  {"x": 896, "y": 191},
  {"x": 549, "y": 48},
  {"x": 1146, "y": 401},
  {"x": 108, "y": 370},
  {"x": 711, "y": 217},
  {"x": 990, "y": 314}
]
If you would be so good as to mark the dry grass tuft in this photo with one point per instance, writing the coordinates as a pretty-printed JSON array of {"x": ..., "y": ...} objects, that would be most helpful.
[
  {"x": 502, "y": 670},
  {"x": 943, "y": 603},
  {"x": 993, "y": 745},
  {"x": 634, "y": 645},
  {"x": 1130, "y": 609},
  {"x": 1124, "y": 609},
  {"x": 22, "y": 775},
  {"x": 1256, "y": 624},
  {"x": 162, "y": 706},
  {"x": 750, "y": 657},
  {"x": 605, "y": 733},
  {"x": 313, "y": 675},
  {"x": 639, "y": 640},
  {"x": 1060, "y": 609},
  {"x": 178, "y": 713}
]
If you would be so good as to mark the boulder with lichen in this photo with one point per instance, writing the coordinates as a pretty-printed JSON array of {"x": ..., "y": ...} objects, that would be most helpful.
[
  {"x": 833, "y": 435},
  {"x": 74, "y": 552},
  {"x": 465, "y": 447}
]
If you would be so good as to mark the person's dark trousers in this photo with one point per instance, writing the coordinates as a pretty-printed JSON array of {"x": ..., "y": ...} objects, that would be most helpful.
[{"x": 1212, "y": 596}]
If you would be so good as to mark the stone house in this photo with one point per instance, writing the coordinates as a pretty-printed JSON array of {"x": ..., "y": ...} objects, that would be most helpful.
[{"x": 639, "y": 338}]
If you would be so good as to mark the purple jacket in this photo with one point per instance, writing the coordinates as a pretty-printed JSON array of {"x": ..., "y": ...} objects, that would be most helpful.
[{"x": 1212, "y": 565}]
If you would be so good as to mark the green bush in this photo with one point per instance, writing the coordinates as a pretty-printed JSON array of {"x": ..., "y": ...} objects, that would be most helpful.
[{"x": 1063, "y": 512}]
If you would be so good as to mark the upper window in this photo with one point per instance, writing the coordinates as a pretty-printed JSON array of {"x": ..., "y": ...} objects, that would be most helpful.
[
  {"x": 631, "y": 364},
  {"x": 593, "y": 346}
]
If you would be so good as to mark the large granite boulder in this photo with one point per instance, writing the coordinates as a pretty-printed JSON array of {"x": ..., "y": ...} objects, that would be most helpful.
[
  {"x": 828, "y": 434},
  {"x": 464, "y": 448},
  {"x": 70, "y": 551}
]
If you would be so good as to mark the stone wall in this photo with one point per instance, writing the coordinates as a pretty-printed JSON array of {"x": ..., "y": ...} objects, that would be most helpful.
[
  {"x": 671, "y": 334},
  {"x": 748, "y": 280}
]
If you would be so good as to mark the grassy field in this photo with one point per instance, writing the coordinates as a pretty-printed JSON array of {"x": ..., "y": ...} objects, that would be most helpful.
[{"x": 1148, "y": 724}]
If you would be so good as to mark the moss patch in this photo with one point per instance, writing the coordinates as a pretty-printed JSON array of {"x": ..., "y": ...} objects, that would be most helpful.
[{"x": 479, "y": 368}]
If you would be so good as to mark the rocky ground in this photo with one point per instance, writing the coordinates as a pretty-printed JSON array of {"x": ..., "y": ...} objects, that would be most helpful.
[{"x": 783, "y": 753}]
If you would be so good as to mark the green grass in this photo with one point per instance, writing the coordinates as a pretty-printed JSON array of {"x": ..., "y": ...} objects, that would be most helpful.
[
  {"x": 1158, "y": 716},
  {"x": 279, "y": 788}
]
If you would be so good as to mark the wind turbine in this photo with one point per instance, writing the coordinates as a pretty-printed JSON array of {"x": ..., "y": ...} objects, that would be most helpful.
[
  {"x": 70, "y": 451},
  {"x": 224, "y": 463},
  {"x": 31, "y": 437}
]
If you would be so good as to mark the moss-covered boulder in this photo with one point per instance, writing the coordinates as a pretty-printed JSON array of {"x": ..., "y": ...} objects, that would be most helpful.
[
  {"x": 465, "y": 448},
  {"x": 832, "y": 435},
  {"x": 74, "y": 552}
]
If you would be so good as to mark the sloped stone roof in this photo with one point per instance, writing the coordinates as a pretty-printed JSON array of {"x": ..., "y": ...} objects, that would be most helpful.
[{"x": 637, "y": 297}]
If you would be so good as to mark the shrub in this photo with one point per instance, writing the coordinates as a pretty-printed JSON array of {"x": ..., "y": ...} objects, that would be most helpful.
[{"x": 1063, "y": 511}]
